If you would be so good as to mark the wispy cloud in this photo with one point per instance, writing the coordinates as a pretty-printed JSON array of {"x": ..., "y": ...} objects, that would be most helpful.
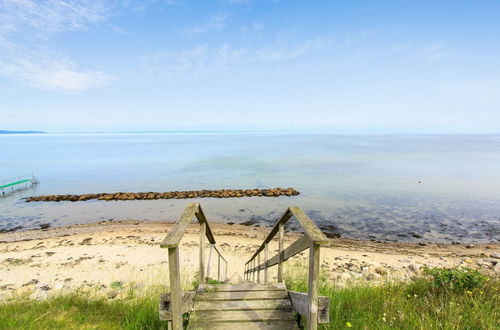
[
  {"x": 206, "y": 58},
  {"x": 26, "y": 27},
  {"x": 216, "y": 22}
]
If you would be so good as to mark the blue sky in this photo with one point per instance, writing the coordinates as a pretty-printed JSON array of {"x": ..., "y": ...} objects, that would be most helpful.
[{"x": 116, "y": 65}]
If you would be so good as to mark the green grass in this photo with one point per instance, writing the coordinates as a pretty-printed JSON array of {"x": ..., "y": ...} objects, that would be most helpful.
[
  {"x": 425, "y": 303},
  {"x": 420, "y": 304},
  {"x": 82, "y": 312}
]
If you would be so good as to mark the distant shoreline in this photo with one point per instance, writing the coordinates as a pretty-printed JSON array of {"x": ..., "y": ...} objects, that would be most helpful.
[{"x": 22, "y": 132}]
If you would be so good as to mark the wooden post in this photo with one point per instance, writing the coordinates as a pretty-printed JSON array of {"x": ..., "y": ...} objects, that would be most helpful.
[
  {"x": 218, "y": 269},
  {"x": 258, "y": 268},
  {"x": 203, "y": 230},
  {"x": 266, "y": 279},
  {"x": 209, "y": 260},
  {"x": 175, "y": 287},
  {"x": 253, "y": 270},
  {"x": 312, "y": 319},
  {"x": 280, "y": 251}
]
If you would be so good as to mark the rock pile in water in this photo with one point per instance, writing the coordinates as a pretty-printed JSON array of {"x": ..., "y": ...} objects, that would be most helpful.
[{"x": 123, "y": 196}]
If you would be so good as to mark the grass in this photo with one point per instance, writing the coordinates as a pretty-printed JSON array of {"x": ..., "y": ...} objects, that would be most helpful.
[{"x": 429, "y": 302}]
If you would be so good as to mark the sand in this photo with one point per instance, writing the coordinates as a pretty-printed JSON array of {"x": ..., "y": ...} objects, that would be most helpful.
[{"x": 99, "y": 254}]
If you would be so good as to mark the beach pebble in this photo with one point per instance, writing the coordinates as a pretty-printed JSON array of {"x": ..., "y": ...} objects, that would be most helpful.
[
  {"x": 373, "y": 277},
  {"x": 414, "y": 268},
  {"x": 405, "y": 260},
  {"x": 344, "y": 276},
  {"x": 496, "y": 268},
  {"x": 495, "y": 255},
  {"x": 39, "y": 295}
]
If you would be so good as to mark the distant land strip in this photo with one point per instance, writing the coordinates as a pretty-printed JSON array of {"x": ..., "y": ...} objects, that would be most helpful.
[
  {"x": 127, "y": 196},
  {"x": 21, "y": 132}
]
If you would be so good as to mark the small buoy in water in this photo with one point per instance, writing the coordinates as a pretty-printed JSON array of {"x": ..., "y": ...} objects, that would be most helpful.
[{"x": 419, "y": 181}]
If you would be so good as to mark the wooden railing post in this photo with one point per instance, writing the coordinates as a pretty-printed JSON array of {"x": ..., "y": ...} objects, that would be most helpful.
[
  {"x": 266, "y": 279},
  {"x": 218, "y": 269},
  {"x": 280, "y": 251},
  {"x": 258, "y": 268},
  {"x": 203, "y": 230},
  {"x": 253, "y": 270},
  {"x": 312, "y": 319},
  {"x": 175, "y": 287}
]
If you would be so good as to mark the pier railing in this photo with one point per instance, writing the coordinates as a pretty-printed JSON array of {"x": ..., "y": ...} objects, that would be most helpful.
[
  {"x": 180, "y": 301},
  {"x": 310, "y": 305}
]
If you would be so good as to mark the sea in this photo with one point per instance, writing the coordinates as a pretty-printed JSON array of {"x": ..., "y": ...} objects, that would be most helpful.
[{"x": 378, "y": 186}]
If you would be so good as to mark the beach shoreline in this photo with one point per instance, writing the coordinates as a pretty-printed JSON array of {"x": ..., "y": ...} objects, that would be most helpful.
[{"x": 43, "y": 262}]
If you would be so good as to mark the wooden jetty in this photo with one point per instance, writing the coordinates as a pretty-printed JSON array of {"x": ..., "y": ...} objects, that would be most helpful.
[
  {"x": 12, "y": 184},
  {"x": 254, "y": 303}
]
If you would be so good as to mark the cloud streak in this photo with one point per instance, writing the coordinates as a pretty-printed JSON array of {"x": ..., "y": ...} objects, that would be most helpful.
[{"x": 25, "y": 31}]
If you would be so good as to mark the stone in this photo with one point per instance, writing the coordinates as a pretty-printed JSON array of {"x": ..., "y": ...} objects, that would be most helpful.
[
  {"x": 496, "y": 268},
  {"x": 373, "y": 277},
  {"x": 112, "y": 294},
  {"x": 405, "y": 260},
  {"x": 470, "y": 246},
  {"x": 58, "y": 286},
  {"x": 381, "y": 270},
  {"x": 495, "y": 255},
  {"x": 414, "y": 268},
  {"x": 39, "y": 295},
  {"x": 344, "y": 276}
]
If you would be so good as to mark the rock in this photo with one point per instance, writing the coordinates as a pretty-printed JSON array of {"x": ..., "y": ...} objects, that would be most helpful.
[
  {"x": 468, "y": 261},
  {"x": 344, "y": 276},
  {"x": 39, "y": 295},
  {"x": 426, "y": 256},
  {"x": 112, "y": 294},
  {"x": 470, "y": 246},
  {"x": 381, "y": 270},
  {"x": 405, "y": 260},
  {"x": 495, "y": 255},
  {"x": 414, "y": 268},
  {"x": 43, "y": 286},
  {"x": 496, "y": 268},
  {"x": 58, "y": 286},
  {"x": 373, "y": 277}
]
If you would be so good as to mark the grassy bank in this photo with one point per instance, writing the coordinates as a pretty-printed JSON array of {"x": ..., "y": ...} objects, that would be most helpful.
[{"x": 440, "y": 301}]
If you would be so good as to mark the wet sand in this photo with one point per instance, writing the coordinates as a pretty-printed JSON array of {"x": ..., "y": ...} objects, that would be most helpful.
[{"x": 44, "y": 262}]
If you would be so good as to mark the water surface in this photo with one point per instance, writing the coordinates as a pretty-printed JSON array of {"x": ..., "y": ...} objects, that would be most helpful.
[{"x": 386, "y": 187}]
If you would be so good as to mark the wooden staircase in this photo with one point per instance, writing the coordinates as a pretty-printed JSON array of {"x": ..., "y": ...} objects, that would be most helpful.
[{"x": 242, "y": 306}]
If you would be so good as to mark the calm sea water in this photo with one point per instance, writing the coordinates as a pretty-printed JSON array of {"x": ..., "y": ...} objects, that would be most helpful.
[{"x": 387, "y": 187}]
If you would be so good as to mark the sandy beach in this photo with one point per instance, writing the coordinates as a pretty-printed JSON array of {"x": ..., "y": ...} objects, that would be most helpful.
[{"x": 107, "y": 256}]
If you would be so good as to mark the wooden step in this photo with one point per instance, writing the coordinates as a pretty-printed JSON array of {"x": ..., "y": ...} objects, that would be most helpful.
[
  {"x": 275, "y": 325},
  {"x": 242, "y": 295},
  {"x": 244, "y": 287},
  {"x": 241, "y": 316},
  {"x": 207, "y": 305}
]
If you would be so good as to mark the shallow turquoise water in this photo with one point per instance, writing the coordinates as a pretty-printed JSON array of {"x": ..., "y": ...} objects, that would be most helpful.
[{"x": 395, "y": 187}]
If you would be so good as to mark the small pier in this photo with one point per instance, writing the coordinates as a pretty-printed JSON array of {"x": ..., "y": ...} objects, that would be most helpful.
[{"x": 17, "y": 183}]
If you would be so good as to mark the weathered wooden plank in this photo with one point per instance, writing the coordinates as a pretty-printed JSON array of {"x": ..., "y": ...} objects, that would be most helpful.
[
  {"x": 242, "y": 287},
  {"x": 166, "y": 300},
  {"x": 239, "y": 295},
  {"x": 300, "y": 303},
  {"x": 202, "y": 219},
  {"x": 273, "y": 232},
  {"x": 275, "y": 325},
  {"x": 250, "y": 315},
  {"x": 175, "y": 287},
  {"x": 311, "y": 230},
  {"x": 174, "y": 236},
  {"x": 207, "y": 305},
  {"x": 312, "y": 317},
  {"x": 295, "y": 248}
]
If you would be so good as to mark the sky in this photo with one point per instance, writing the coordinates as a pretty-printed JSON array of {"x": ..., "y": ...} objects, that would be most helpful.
[{"x": 131, "y": 65}]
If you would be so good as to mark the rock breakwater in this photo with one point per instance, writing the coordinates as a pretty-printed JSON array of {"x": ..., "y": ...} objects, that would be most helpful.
[{"x": 122, "y": 196}]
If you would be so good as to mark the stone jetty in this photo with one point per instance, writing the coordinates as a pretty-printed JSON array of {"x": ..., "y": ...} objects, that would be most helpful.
[{"x": 123, "y": 196}]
